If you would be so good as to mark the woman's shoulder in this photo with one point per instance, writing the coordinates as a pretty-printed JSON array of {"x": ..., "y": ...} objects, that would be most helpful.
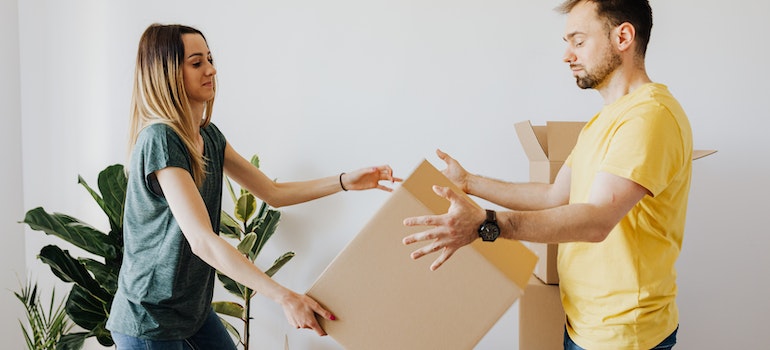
[{"x": 157, "y": 130}]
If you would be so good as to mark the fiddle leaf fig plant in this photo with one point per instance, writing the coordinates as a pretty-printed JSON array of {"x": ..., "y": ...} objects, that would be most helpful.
[
  {"x": 251, "y": 228},
  {"x": 94, "y": 280}
]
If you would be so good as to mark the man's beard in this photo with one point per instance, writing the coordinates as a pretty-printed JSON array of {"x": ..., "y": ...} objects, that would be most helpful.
[{"x": 593, "y": 79}]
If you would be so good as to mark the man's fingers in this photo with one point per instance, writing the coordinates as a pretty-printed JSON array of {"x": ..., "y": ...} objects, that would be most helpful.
[
  {"x": 446, "y": 193},
  {"x": 445, "y": 255},
  {"x": 428, "y": 249},
  {"x": 421, "y": 236},
  {"x": 441, "y": 155},
  {"x": 425, "y": 220}
]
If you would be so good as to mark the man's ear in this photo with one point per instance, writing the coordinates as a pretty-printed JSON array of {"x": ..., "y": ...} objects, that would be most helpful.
[{"x": 625, "y": 34}]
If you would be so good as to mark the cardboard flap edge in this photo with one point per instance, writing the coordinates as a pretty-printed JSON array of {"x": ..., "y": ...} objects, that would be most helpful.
[
  {"x": 701, "y": 153},
  {"x": 528, "y": 139}
]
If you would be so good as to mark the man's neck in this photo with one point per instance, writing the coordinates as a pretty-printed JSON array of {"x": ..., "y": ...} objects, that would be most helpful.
[{"x": 622, "y": 82}]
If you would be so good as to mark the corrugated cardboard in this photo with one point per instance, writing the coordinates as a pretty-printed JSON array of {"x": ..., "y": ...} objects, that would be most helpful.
[
  {"x": 541, "y": 317},
  {"x": 385, "y": 300},
  {"x": 547, "y": 147}
]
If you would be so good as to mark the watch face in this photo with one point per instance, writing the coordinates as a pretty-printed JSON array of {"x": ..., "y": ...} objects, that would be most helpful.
[{"x": 489, "y": 231}]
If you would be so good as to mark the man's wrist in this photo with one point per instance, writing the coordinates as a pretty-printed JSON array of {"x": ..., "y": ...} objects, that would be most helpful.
[
  {"x": 470, "y": 183},
  {"x": 489, "y": 230}
]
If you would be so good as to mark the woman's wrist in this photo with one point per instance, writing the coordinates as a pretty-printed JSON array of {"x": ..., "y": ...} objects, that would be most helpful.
[{"x": 342, "y": 184}]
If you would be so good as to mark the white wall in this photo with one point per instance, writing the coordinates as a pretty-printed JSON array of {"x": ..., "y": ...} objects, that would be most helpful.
[
  {"x": 316, "y": 88},
  {"x": 12, "y": 267}
]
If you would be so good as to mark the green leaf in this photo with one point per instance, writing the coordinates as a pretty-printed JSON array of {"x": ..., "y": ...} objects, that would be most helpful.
[
  {"x": 231, "y": 285},
  {"x": 228, "y": 308},
  {"x": 46, "y": 325},
  {"x": 71, "y": 341},
  {"x": 112, "y": 183},
  {"x": 68, "y": 269},
  {"x": 247, "y": 244},
  {"x": 103, "y": 336},
  {"x": 228, "y": 227},
  {"x": 230, "y": 189},
  {"x": 267, "y": 228},
  {"x": 72, "y": 230},
  {"x": 245, "y": 207},
  {"x": 232, "y": 330},
  {"x": 85, "y": 310},
  {"x": 105, "y": 275},
  {"x": 255, "y": 224},
  {"x": 98, "y": 198},
  {"x": 255, "y": 160},
  {"x": 278, "y": 264}
]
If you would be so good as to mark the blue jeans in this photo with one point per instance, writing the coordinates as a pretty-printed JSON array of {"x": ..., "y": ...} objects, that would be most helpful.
[
  {"x": 666, "y": 344},
  {"x": 211, "y": 336}
]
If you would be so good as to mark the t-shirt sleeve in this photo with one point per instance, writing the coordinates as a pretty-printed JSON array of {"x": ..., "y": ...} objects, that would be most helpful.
[
  {"x": 161, "y": 148},
  {"x": 647, "y": 148}
]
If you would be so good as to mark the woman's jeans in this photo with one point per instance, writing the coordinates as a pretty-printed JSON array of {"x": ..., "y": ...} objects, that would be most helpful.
[
  {"x": 666, "y": 344},
  {"x": 211, "y": 336}
]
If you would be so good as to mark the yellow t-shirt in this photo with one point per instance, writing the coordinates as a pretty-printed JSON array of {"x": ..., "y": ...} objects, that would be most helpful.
[{"x": 620, "y": 293}]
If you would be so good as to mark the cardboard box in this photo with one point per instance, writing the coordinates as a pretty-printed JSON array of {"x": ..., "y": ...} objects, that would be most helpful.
[
  {"x": 541, "y": 317},
  {"x": 547, "y": 147},
  {"x": 385, "y": 300}
]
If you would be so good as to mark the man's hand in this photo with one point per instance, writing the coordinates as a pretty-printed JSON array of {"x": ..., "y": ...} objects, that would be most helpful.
[
  {"x": 451, "y": 231},
  {"x": 454, "y": 171}
]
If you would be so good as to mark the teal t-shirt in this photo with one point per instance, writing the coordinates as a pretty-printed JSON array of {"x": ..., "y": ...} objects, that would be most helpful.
[{"x": 164, "y": 290}]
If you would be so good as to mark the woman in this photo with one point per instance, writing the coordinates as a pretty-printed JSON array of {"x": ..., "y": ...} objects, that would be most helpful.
[{"x": 178, "y": 159}]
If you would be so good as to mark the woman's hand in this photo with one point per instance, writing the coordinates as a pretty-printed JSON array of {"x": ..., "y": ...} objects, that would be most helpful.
[
  {"x": 301, "y": 310},
  {"x": 368, "y": 178}
]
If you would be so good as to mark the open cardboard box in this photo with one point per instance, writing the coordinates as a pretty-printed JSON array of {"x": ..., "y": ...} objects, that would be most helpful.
[
  {"x": 541, "y": 317},
  {"x": 547, "y": 147},
  {"x": 385, "y": 300}
]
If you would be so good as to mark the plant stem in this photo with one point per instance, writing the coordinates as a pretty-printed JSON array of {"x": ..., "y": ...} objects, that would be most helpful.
[{"x": 246, "y": 321}]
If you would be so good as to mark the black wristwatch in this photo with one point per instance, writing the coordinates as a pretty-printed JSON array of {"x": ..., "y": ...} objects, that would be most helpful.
[{"x": 489, "y": 231}]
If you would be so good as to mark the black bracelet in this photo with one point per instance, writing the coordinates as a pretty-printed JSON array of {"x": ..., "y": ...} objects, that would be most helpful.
[{"x": 341, "y": 185}]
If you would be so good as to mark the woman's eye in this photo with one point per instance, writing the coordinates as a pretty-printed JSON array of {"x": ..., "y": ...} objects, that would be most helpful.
[{"x": 196, "y": 64}]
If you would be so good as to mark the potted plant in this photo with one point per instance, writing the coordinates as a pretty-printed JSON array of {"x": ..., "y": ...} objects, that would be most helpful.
[
  {"x": 45, "y": 326},
  {"x": 94, "y": 281},
  {"x": 252, "y": 228}
]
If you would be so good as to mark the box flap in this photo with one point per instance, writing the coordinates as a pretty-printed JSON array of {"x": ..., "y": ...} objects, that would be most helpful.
[
  {"x": 700, "y": 153},
  {"x": 535, "y": 148},
  {"x": 562, "y": 137},
  {"x": 385, "y": 300},
  {"x": 504, "y": 254}
]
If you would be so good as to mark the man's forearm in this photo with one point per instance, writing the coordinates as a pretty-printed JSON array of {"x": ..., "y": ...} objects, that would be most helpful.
[
  {"x": 514, "y": 196},
  {"x": 569, "y": 223}
]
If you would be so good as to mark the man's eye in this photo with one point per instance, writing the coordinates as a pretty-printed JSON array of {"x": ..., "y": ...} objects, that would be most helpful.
[{"x": 579, "y": 44}]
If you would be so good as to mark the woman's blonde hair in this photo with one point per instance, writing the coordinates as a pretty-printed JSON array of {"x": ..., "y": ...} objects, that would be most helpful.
[{"x": 159, "y": 94}]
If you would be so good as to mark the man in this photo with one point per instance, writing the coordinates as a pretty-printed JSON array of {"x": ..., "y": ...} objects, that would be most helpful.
[{"x": 617, "y": 206}]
